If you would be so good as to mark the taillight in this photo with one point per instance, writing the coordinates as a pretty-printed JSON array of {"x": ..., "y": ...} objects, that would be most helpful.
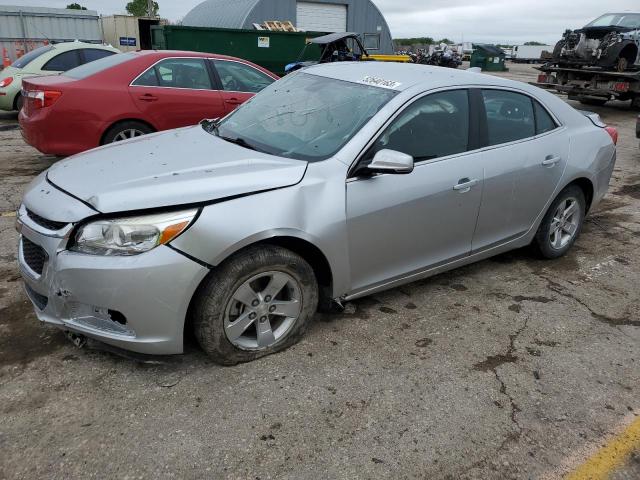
[
  {"x": 43, "y": 98},
  {"x": 622, "y": 87},
  {"x": 614, "y": 134},
  {"x": 5, "y": 82}
]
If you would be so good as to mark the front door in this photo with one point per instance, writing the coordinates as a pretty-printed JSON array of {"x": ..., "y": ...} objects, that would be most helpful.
[
  {"x": 177, "y": 92},
  {"x": 239, "y": 82},
  {"x": 402, "y": 224}
]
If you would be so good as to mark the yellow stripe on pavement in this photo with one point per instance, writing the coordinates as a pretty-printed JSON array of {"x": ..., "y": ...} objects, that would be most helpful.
[
  {"x": 8, "y": 214},
  {"x": 612, "y": 455}
]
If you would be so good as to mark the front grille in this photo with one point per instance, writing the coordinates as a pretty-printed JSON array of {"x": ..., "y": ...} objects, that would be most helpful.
[
  {"x": 43, "y": 222},
  {"x": 34, "y": 255},
  {"x": 40, "y": 301}
]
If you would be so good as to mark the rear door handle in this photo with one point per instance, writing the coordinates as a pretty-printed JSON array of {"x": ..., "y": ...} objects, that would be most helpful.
[
  {"x": 233, "y": 101},
  {"x": 464, "y": 185},
  {"x": 551, "y": 161},
  {"x": 147, "y": 97}
]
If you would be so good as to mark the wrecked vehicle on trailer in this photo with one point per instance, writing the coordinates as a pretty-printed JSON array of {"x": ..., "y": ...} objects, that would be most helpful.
[{"x": 611, "y": 41}]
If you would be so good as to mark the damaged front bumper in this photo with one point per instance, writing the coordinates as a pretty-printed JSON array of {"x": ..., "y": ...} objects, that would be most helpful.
[{"x": 137, "y": 303}]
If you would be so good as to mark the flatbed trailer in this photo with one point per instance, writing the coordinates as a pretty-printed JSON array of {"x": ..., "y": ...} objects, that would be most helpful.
[{"x": 591, "y": 86}]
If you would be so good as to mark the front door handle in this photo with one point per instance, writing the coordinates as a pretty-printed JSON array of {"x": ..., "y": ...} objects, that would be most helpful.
[
  {"x": 464, "y": 185},
  {"x": 551, "y": 161},
  {"x": 147, "y": 97},
  {"x": 233, "y": 101}
]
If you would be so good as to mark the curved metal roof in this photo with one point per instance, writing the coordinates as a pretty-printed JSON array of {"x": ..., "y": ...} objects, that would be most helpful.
[{"x": 220, "y": 13}]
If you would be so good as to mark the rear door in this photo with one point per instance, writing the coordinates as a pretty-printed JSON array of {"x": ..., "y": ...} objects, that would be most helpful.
[
  {"x": 239, "y": 82},
  {"x": 176, "y": 92},
  {"x": 522, "y": 168}
]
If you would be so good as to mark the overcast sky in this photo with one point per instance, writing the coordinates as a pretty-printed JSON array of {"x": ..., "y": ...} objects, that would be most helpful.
[{"x": 493, "y": 21}]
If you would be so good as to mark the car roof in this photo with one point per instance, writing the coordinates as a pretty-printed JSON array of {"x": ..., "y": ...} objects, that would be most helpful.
[
  {"x": 402, "y": 76},
  {"x": 182, "y": 53},
  {"x": 77, "y": 44}
]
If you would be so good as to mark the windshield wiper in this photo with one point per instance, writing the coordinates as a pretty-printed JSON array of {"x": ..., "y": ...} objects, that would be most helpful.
[{"x": 240, "y": 141}]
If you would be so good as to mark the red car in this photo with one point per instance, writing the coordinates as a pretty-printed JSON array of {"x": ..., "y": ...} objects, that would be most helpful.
[{"x": 131, "y": 94}]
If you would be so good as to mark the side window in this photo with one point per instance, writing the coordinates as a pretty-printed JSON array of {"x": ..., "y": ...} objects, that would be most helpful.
[
  {"x": 509, "y": 116},
  {"x": 177, "y": 73},
  {"x": 63, "y": 62},
  {"x": 434, "y": 126},
  {"x": 544, "y": 122},
  {"x": 147, "y": 79},
  {"x": 238, "y": 77},
  {"x": 91, "y": 54}
]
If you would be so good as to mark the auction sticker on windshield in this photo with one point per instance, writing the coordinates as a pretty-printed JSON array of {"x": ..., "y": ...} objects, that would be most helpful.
[{"x": 380, "y": 82}]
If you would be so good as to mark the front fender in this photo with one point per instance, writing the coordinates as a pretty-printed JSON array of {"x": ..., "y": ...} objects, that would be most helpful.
[{"x": 312, "y": 211}]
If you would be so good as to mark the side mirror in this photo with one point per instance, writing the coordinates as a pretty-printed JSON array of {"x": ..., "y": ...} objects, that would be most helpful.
[{"x": 391, "y": 161}]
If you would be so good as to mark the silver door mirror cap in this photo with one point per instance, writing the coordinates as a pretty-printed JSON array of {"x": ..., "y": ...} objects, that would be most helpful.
[{"x": 391, "y": 161}]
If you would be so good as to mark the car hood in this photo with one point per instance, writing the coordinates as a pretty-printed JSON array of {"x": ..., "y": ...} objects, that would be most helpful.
[{"x": 171, "y": 168}]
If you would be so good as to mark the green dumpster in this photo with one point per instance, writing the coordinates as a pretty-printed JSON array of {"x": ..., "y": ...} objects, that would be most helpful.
[
  {"x": 488, "y": 58},
  {"x": 271, "y": 50}
]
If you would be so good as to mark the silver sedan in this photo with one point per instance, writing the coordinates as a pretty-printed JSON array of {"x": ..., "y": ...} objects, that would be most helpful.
[{"x": 336, "y": 182}]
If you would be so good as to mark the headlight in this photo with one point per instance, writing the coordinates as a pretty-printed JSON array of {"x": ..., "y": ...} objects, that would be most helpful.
[{"x": 131, "y": 235}]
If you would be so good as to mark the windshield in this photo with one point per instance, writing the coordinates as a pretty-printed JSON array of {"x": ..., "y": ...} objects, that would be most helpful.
[
  {"x": 91, "y": 68},
  {"x": 303, "y": 116},
  {"x": 625, "y": 20},
  {"x": 26, "y": 59}
]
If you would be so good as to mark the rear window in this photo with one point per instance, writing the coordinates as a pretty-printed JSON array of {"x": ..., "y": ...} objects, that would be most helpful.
[
  {"x": 93, "y": 54},
  {"x": 63, "y": 62},
  {"x": 88, "y": 69},
  {"x": 26, "y": 59}
]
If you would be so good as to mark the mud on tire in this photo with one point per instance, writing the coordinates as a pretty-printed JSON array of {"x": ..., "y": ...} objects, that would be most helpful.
[{"x": 215, "y": 294}]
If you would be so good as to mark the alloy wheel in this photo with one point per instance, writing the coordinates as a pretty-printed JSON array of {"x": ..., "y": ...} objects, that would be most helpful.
[
  {"x": 127, "y": 134},
  {"x": 565, "y": 223},
  {"x": 262, "y": 310}
]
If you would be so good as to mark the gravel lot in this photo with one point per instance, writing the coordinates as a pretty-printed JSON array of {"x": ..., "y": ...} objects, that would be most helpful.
[{"x": 510, "y": 368}]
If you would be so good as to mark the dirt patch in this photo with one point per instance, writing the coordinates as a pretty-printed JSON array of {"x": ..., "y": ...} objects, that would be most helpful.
[
  {"x": 537, "y": 299},
  {"x": 632, "y": 191},
  {"x": 424, "y": 342},
  {"x": 9, "y": 274},
  {"x": 494, "y": 361},
  {"x": 615, "y": 322},
  {"x": 23, "y": 338}
]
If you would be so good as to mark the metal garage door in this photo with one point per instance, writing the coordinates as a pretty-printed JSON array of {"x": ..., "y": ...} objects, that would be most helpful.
[{"x": 321, "y": 17}]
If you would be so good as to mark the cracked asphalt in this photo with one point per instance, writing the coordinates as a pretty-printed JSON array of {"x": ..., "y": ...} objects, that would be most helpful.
[{"x": 512, "y": 368}]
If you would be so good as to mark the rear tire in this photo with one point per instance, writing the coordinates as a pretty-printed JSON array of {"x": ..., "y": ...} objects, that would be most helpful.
[
  {"x": 230, "y": 320},
  {"x": 562, "y": 223},
  {"x": 18, "y": 102},
  {"x": 126, "y": 130}
]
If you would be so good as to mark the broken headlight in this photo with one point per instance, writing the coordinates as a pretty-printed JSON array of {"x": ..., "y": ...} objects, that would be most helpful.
[{"x": 131, "y": 235}]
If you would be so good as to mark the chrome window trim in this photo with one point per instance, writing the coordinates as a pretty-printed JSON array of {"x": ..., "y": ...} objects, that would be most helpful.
[
  {"x": 131, "y": 84},
  {"x": 242, "y": 63},
  {"x": 412, "y": 100}
]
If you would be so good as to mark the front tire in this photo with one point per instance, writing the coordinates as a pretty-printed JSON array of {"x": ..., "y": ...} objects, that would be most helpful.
[
  {"x": 562, "y": 223},
  {"x": 258, "y": 302}
]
